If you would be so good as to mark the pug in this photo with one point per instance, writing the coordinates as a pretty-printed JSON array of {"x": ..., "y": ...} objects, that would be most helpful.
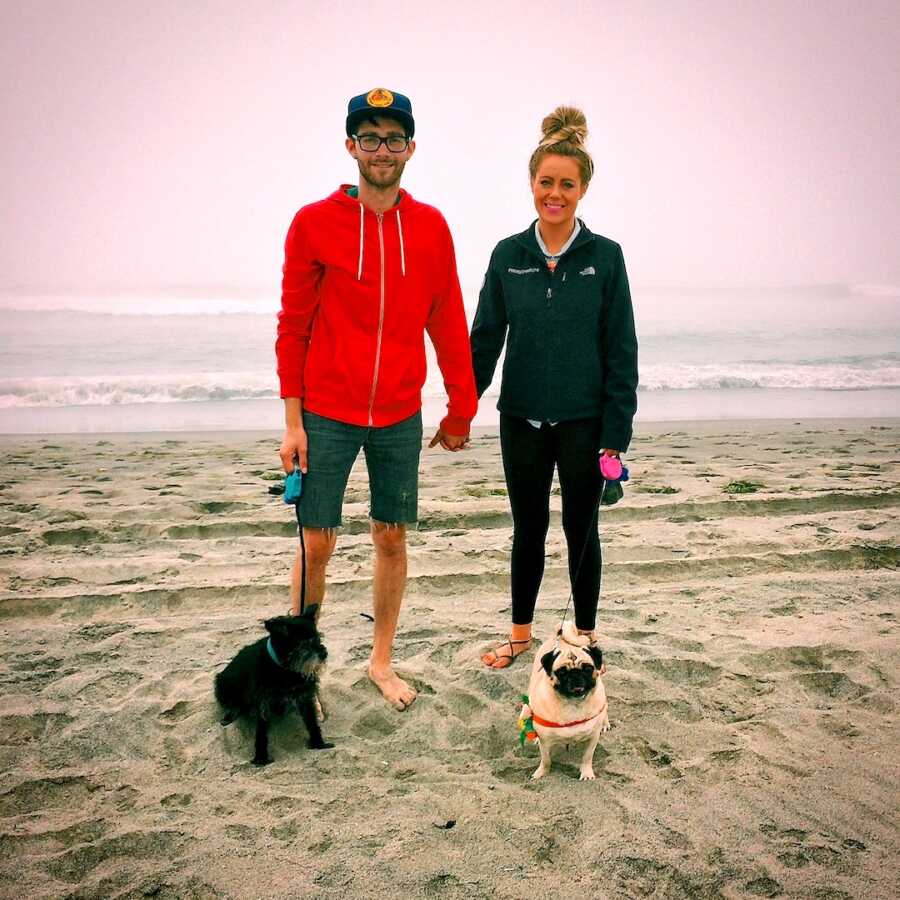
[{"x": 566, "y": 698}]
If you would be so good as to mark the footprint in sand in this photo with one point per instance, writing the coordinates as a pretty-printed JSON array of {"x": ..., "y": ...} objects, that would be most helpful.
[
  {"x": 116, "y": 685},
  {"x": 17, "y": 730},
  {"x": 175, "y": 713},
  {"x": 44, "y": 843},
  {"x": 498, "y": 684},
  {"x": 100, "y": 631},
  {"x": 685, "y": 671},
  {"x": 659, "y": 758},
  {"x": 116, "y": 853},
  {"x": 446, "y": 652},
  {"x": 244, "y": 834},
  {"x": 288, "y": 832},
  {"x": 359, "y": 652},
  {"x": 409, "y": 650},
  {"x": 375, "y": 724},
  {"x": 675, "y": 840},
  {"x": 638, "y": 876},
  {"x": 59, "y": 792},
  {"x": 673, "y": 708},
  {"x": 796, "y": 848},
  {"x": 839, "y": 727},
  {"x": 516, "y": 774},
  {"x": 37, "y": 672},
  {"x": 764, "y": 886},
  {"x": 832, "y": 686},
  {"x": 282, "y": 806},
  {"x": 786, "y": 657},
  {"x": 499, "y": 741},
  {"x": 215, "y": 507},
  {"x": 462, "y": 704},
  {"x": 74, "y": 537}
]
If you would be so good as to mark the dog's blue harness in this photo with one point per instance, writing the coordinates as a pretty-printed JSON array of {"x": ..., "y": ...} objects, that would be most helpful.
[{"x": 273, "y": 654}]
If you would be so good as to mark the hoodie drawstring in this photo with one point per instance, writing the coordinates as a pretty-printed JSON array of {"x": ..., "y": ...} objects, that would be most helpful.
[
  {"x": 362, "y": 219},
  {"x": 402, "y": 256},
  {"x": 362, "y": 216}
]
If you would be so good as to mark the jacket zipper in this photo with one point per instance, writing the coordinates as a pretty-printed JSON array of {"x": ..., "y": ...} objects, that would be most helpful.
[
  {"x": 380, "y": 217},
  {"x": 550, "y": 279}
]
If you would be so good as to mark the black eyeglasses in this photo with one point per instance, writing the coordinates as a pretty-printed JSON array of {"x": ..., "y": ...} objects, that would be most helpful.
[{"x": 371, "y": 142}]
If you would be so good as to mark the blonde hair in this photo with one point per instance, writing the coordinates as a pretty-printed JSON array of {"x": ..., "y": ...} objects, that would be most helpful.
[{"x": 564, "y": 134}]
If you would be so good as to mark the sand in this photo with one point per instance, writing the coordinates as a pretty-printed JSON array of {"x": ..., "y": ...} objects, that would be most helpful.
[{"x": 751, "y": 640}]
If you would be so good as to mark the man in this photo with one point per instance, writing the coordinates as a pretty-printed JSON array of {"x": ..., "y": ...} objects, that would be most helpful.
[{"x": 367, "y": 271}]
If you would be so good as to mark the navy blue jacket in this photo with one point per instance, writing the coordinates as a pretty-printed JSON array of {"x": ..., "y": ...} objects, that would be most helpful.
[{"x": 571, "y": 350}]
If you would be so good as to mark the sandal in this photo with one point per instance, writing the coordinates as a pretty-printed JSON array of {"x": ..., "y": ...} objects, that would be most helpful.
[{"x": 507, "y": 656}]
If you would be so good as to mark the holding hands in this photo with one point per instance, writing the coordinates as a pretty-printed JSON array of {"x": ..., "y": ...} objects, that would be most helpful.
[{"x": 451, "y": 442}]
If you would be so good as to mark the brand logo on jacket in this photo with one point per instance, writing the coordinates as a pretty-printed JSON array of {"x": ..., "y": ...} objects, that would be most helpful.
[
  {"x": 590, "y": 270},
  {"x": 513, "y": 271}
]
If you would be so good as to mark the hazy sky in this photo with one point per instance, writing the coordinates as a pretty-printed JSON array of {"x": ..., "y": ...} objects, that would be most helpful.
[{"x": 170, "y": 143}]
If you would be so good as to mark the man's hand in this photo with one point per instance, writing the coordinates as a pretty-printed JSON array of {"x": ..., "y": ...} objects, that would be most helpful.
[
  {"x": 293, "y": 446},
  {"x": 609, "y": 452},
  {"x": 452, "y": 442}
]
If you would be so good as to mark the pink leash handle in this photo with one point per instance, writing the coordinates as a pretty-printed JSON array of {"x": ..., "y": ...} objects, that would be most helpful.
[{"x": 610, "y": 467}]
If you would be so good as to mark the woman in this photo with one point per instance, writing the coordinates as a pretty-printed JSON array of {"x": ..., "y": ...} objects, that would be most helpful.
[{"x": 558, "y": 296}]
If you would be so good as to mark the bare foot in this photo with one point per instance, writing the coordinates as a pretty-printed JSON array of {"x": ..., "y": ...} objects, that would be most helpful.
[
  {"x": 393, "y": 688},
  {"x": 503, "y": 656}
]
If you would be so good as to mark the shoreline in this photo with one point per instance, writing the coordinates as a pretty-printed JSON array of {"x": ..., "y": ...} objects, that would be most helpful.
[
  {"x": 478, "y": 430},
  {"x": 254, "y": 415}
]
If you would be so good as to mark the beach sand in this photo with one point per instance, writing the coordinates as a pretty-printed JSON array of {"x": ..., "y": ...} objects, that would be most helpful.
[{"x": 751, "y": 640}]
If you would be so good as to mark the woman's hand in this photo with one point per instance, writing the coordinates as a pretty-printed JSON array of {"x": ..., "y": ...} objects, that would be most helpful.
[{"x": 609, "y": 452}]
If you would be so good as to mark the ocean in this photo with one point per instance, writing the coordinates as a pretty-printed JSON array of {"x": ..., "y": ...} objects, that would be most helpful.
[{"x": 169, "y": 362}]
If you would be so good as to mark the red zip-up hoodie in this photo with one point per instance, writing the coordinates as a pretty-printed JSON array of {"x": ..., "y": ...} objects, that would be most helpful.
[{"x": 359, "y": 291}]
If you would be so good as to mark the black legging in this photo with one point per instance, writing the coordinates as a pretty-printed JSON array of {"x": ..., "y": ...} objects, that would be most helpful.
[{"x": 529, "y": 457}]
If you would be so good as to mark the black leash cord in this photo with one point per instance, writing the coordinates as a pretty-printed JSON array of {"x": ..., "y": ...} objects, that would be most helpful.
[
  {"x": 583, "y": 551},
  {"x": 302, "y": 560}
]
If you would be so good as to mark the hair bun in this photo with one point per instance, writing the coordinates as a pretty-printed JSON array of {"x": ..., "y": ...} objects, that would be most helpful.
[
  {"x": 564, "y": 134},
  {"x": 565, "y": 123}
]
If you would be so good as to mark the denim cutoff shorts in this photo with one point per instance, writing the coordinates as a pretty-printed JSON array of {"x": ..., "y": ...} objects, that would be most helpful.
[{"x": 392, "y": 460}]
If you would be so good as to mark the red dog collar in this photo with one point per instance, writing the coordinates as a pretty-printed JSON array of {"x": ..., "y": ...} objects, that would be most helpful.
[{"x": 548, "y": 724}]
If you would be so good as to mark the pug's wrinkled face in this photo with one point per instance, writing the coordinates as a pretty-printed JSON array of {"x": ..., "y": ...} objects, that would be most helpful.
[{"x": 573, "y": 673}]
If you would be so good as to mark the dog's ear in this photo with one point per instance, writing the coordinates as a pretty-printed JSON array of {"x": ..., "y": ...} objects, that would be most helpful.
[
  {"x": 311, "y": 611},
  {"x": 596, "y": 655},
  {"x": 547, "y": 661},
  {"x": 276, "y": 625}
]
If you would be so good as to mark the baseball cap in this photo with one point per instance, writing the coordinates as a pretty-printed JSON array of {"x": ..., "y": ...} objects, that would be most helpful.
[{"x": 380, "y": 102}]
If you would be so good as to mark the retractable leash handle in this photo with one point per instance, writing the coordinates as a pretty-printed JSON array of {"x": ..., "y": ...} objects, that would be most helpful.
[
  {"x": 293, "y": 487},
  {"x": 611, "y": 468}
]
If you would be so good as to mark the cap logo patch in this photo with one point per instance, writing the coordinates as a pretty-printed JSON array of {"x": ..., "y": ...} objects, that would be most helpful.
[{"x": 380, "y": 97}]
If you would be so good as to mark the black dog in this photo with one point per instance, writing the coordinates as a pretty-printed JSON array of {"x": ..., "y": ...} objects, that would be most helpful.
[{"x": 274, "y": 674}]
